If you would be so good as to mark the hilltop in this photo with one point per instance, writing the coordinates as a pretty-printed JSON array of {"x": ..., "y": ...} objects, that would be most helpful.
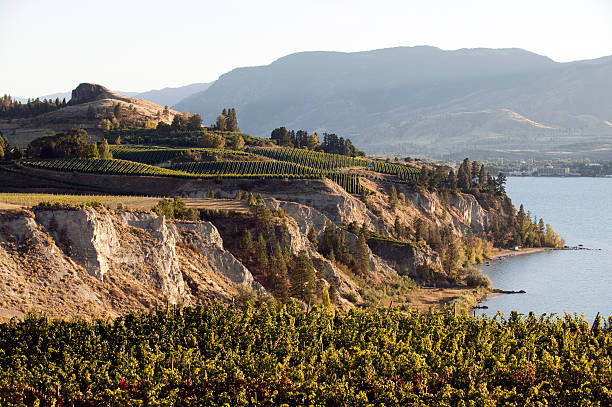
[{"x": 88, "y": 106}]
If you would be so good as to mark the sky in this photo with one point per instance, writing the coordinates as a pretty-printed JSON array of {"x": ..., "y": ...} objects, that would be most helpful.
[{"x": 129, "y": 45}]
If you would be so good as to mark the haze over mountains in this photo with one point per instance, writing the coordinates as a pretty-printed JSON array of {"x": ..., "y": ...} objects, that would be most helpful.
[
  {"x": 481, "y": 103},
  {"x": 423, "y": 100},
  {"x": 164, "y": 97}
]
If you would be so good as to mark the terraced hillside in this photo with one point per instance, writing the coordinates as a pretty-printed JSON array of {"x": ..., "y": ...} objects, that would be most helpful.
[{"x": 212, "y": 163}]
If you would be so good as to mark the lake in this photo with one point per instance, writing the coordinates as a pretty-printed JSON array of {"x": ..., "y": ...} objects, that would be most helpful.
[{"x": 580, "y": 209}]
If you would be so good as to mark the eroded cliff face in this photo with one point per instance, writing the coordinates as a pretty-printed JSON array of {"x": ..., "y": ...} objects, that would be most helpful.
[
  {"x": 94, "y": 262},
  {"x": 97, "y": 262}
]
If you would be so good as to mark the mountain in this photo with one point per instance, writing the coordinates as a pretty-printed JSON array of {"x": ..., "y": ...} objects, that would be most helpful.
[
  {"x": 172, "y": 96},
  {"x": 165, "y": 97},
  {"x": 424, "y": 100}
]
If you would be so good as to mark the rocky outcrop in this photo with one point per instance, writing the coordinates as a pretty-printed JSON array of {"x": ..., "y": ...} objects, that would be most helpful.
[
  {"x": 88, "y": 92},
  {"x": 98, "y": 262}
]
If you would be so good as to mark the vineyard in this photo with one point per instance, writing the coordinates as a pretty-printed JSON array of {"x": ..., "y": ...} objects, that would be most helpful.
[
  {"x": 350, "y": 183},
  {"x": 290, "y": 163},
  {"x": 313, "y": 159},
  {"x": 155, "y": 155},
  {"x": 404, "y": 173},
  {"x": 279, "y": 168},
  {"x": 111, "y": 167},
  {"x": 225, "y": 355}
]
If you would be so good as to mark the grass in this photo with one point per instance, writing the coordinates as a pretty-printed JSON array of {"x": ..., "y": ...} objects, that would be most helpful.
[{"x": 31, "y": 199}]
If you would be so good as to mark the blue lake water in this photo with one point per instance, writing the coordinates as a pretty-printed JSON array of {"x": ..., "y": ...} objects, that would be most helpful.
[{"x": 580, "y": 209}]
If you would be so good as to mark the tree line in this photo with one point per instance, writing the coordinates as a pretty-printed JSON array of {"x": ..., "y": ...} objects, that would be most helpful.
[
  {"x": 12, "y": 109},
  {"x": 72, "y": 144},
  {"x": 331, "y": 143}
]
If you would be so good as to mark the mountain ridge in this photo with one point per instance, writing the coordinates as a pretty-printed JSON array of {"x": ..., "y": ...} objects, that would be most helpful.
[{"x": 382, "y": 98}]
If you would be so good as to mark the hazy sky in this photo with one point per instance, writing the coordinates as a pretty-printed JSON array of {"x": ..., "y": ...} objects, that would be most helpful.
[{"x": 51, "y": 46}]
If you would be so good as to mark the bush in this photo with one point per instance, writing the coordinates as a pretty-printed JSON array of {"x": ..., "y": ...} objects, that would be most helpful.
[{"x": 475, "y": 278}]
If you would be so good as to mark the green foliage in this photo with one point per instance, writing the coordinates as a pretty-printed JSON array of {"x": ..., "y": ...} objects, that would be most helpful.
[
  {"x": 270, "y": 168},
  {"x": 224, "y": 355},
  {"x": 176, "y": 209},
  {"x": 303, "y": 277},
  {"x": 313, "y": 159},
  {"x": 71, "y": 144},
  {"x": 155, "y": 155},
  {"x": 111, "y": 167},
  {"x": 12, "y": 109},
  {"x": 402, "y": 172}
]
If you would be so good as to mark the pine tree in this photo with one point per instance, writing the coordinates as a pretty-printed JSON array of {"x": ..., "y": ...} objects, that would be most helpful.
[
  {"x": 303, "y": 277},
  {"x": 280, "y": 279},
  {"x": 261, "y": 251},
  {"x": 246, "y": 242},
  {"x": 363, "y": 256},
  {"x": 464, "y": 177},
  {"x": 393, "y": 198},
  {"x": 482, "y": 176},
  {"x": 312, "y": 237},
  {"x": 451, "y": 181}
]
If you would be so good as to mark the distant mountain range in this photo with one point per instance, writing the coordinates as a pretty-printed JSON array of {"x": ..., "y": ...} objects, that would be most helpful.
[
  {"x": 165, "y": 97},
  {"x": 427, "y": 101}
]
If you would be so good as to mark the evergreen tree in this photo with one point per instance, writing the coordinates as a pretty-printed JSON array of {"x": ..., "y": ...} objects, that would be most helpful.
[
  {"x": 280, "y": 281},
  {"x": 303, "y": 277},
  {"x": 393, "y": 198},
  {"x": 482, "y": 176},
  {"x": 312, "y": 237},
  {"x": 363, "y": 256},
  {"x": 451, "y": 181},
  {"x": 246, "y": 242},
  {"x": 500, "y": 184},
  {"x": 261, "y": 252},
  {"x": 464, "y": 176}
]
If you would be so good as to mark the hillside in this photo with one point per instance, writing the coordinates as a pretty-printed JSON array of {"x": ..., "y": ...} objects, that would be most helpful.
[
  {"x": 284, "y": 223},
  {"x": 78, "y": 113},
  {"x": 423, "y": 100}
]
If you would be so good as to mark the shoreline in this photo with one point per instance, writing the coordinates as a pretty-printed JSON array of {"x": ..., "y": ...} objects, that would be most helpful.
[{"x": 501, "y": 254}]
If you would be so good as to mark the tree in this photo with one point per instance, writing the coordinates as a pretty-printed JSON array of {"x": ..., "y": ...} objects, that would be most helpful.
[
  {"x": 221, "y": 122},
  {"x": 194, "y": 122},
  {"x": 231, "y": 121},
  {"x": 363, "y": 255},
  {"x": 211, "y": 140},
  {"x": 105, "y": 125},
  {"x": 393, "y": 198},
  {"x": 482, "y": 176},
  {"x": 246, "y": 242},
  {"x": 261, "y": 251},
  {"x": 303, "y": 277},
  {"x": 92, "y": 151},
  {"x": 451, "y": 181},
  {"x": 312, "y": 237},
  {"x": 282, "y": 136},
  {"x": 464, "y": 176},
  {"x": 280, "y": 279},
  {"x": 104, "y": 150},
  {"x": 500, "y": 184},
  {"x": 313, "y": 142},
  {"x": 238, "y": 143},
  {"x": 4, "y": 147},
  {"x": 117, "y": 140},
  {"x": 400, "y": 229}
]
